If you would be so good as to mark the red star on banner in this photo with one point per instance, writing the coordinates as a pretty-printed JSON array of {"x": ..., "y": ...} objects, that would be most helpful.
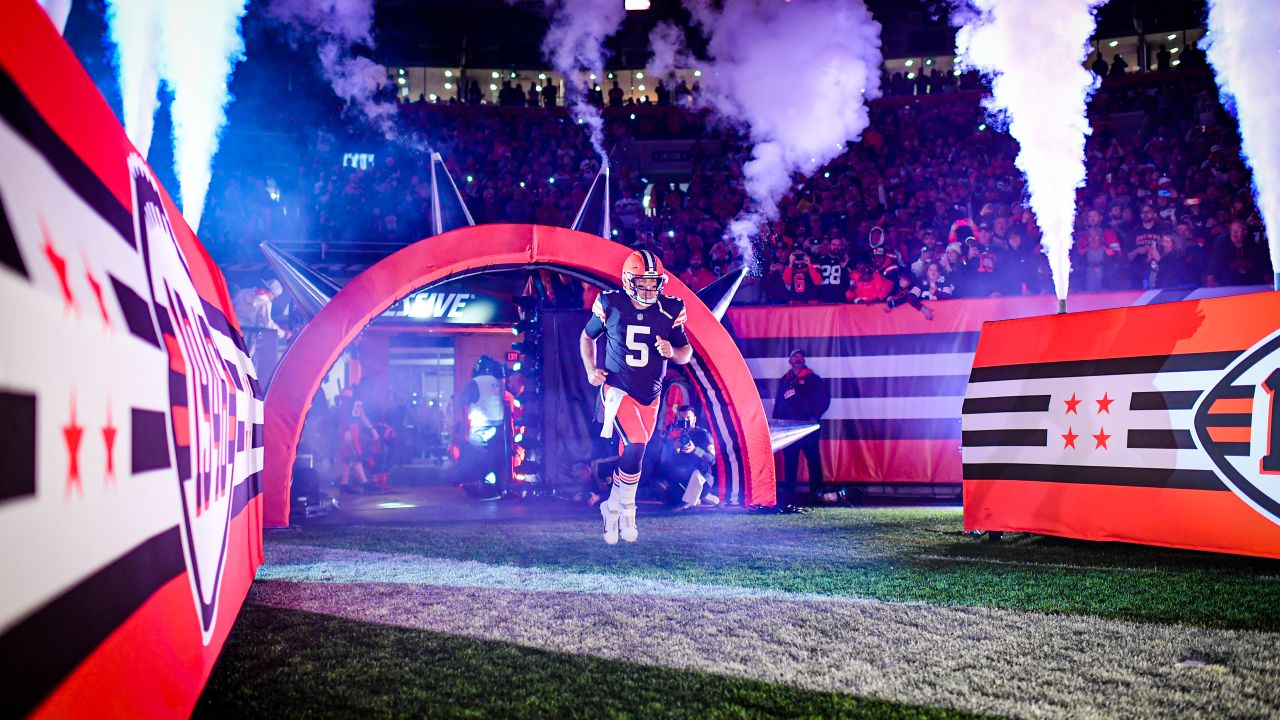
[
  {"x": 72, "y": 433},
  {"x": 109, "y": 438},
  {"x": 1071, "y": 404},
  {"x": 59, "y": 264},
  {"x": 97, "y": 293},
  {"x": 1104, "y": 405},
  {"x": 1101, "y": 439},
  {"x": 1069, "y": 440}
]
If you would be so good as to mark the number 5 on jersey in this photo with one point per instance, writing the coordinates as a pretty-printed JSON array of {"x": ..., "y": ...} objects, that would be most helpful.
[{"x": 635, "y": 341}]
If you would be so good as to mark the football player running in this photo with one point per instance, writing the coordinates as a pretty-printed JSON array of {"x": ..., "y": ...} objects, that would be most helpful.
[{"x": 643, "y": 329}]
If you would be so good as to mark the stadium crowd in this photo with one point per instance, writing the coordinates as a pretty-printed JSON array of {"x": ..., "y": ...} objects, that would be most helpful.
[{"x": 927, "y": 206}]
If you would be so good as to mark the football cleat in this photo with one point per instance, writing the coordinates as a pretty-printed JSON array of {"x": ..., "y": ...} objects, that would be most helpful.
[
  {"x": 643, "y": 277},
  {"x": 627, "y": 526},
  {"x": 611, "y": 519}
]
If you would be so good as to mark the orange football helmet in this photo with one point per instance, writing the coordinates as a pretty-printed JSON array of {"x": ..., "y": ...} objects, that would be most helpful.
[{"x": 643, "y": 277}]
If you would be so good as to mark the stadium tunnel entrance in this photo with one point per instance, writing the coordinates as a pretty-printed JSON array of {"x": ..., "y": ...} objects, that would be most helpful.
[{"x": 718, "y": 373}]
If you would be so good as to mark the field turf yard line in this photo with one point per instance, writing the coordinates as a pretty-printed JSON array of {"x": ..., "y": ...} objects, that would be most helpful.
[
  {"x": 980, "y": 660},
  {"x": 293, "y": 664},
  {"x": 859, "y": 553}
]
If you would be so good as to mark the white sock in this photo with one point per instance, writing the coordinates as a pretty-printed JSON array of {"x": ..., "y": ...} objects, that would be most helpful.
[{"x": 624, "y": 490}]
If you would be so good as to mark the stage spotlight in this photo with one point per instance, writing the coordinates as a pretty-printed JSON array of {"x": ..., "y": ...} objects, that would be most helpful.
[
  {"x": 519, "y": 437},
  {"x": 521, "y": 183},
  {"x": 551, "y": 180},
  {"x": 470, "y": 179},
  {"x": 826, "y": 174},
  {"x": 615, "y": 232},
  {"x": 516, "y": 368}
]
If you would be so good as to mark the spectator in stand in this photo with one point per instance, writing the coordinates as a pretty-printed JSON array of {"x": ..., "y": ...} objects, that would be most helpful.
[
  {"x": 550, "y": 91},
  {"x": 833, "y": 268},
  {"x": 1100, "y": 66},
  {"x": 801, "y": 278},
  {"x": 1147, "y": 234},
  {"x": 663, "y": 94},
  {"x": 1118, "y": 65},
  {"x": 1163, "y": 59},
  {"x": 615, "y": 95},
  {"x": 907, "y": 292},
  {"x": 934, "y": 285},
  {"x": 1239, "y": 260},
  {"x": 1096, "y": 266},
  {"x": 801, "y": 396},
  {"x": 1169, "y": 268},
  {"x": 254, "y": 310},
  {"x": 697, "y": 276},
  {"x": 868, "y": 286}
]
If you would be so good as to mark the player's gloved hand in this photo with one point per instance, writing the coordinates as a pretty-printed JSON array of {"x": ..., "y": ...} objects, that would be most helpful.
[
  {"x": 664, "y": 348},
  {"x": 597, "y": 377}
]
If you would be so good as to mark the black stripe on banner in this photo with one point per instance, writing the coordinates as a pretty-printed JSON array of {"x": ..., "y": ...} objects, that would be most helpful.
[
  {"x": 10, "y": 256},
  {"x": 1005, "y": 438},
  {"x": 27, "y": 122},
  {"x": 1231, "y": 449},
  {"x": 17, "y": 445},
  {"x": 149, "y": 445},
  {"x": 1161, "y": 440},
  {"x": 905, "y": 386},
  {"x": 218, "y": 321},
  {"x": 849, "y": 345},
  {"x": 46, "y": 646},
  {"x": 136, "y": 311},
  {"x": 1095, "y": 475},
  {"x": 1235, "y": 392},
  {"x": 1228, "y": 420},
  {"x": 1109, "y": 366},
  {"x": 891, "y": 429},
  {"x": 1013, "y": 403},
  {"x": 1173, "y": 400}
]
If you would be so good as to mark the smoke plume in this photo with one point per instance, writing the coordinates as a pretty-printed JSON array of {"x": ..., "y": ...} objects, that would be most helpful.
[
  {"x": 1033, "y": 53},
  {"x": 795, "y": 76},
  {"x": 135, "y": 28},
  {"x": 1241, "y": 34},
  {"x": 200, "y": 46},
  {"x": 669, "y": 52},
  {"x": 575, "y": 43},
  {"x": 340, "y": 25}
]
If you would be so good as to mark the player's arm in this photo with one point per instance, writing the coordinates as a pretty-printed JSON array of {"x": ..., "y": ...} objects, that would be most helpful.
[
  {"x": 676, "y": 348},
  {"x": 587, "y": 344}
]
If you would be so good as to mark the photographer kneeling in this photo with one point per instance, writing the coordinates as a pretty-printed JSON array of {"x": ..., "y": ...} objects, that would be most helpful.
[{"x": 687, "y": 462}]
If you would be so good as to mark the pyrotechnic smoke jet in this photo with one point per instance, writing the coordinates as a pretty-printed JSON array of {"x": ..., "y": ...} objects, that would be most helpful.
[
  {"x": 1033, "y": 52},
  {"x": 199, "y": 48},
  {"x": 58, "y": 11},
  {"x": 192, "y": 46},
  {"x": 575, "y": 43},
  {"x": 795, "y": 77},
  {"x": 135, "y": 27},
  {"x": 340, "y": 25},
  {"x": 669, "y": 52},
  {"x": 1243, "y": 42}
]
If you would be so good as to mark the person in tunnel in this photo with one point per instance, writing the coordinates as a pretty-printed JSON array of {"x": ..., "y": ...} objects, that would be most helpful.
[{"x": 643, "y": 329}]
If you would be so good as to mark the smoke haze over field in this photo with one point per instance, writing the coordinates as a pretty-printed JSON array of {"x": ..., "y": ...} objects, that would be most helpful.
[
  {"x": 1033, "y": 52},
  {"x": 1241, "y": 33}
]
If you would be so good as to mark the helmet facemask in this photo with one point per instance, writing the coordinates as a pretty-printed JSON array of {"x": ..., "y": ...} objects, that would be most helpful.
[{"x": 644, "y": 289}]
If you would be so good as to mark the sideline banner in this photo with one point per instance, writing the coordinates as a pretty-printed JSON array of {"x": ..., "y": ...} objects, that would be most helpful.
[
  {"x": 897, "y": 380},
  {"x": 1156, "y": 425},
  {"x": 130, "y": 510}
]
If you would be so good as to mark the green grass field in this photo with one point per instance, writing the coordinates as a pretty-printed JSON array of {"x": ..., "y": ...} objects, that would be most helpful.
[{"x": 833, "y": 613}]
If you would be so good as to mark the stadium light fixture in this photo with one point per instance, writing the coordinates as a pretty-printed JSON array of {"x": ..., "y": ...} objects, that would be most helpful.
[
  {"x": 593, "y": 76},
  {"x": 697, "y": 73},
  {"x": 909, "y": 63},
  {"x": 522, "y": 183},
  {"x": 552, "y": 180},
  {"x": 470, "y": 179},
  {"x": 671, "y": 233},
  {"x": 928, "y": 61},
  {"x": 1176, "y": 63},
  {"x": 1113, "y": 43},
  {"x": 826, "y": 174},
  {"x": 641, "y": 88},
  {"x": 1172, "y": 36},
  {"x": 448, "y": 73},
  {"x": 401, "y": 71},
  {"x": 911, "y": 76},
  {"x": 1174, "y": 50},
  {"x": 635, "y": 4},
  {"x": 639, "y": 76},
  {"x": 433, "y": 96},
  {"x": 519, "y": 436},
  {"x": 633, "y": 116},
  {"x": 448, "y": 86},
  {"x": 493, "y": 88},
  {"x": 542, "y": 76},
  {"x": 517, "y": 367},
  {"x": 494, "y": 74},
  {"x": 401, "y": 80}
]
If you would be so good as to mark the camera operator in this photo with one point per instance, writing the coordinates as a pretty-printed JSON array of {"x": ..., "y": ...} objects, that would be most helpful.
[{"x": 688, "y": 460}]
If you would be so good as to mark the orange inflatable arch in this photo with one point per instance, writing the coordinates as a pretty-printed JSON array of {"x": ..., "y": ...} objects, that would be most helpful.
[{"x": 470, "y": 251}]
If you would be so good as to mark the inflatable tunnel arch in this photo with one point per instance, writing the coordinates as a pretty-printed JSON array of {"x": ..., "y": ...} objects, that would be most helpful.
[{"x": 469, "y": 251}]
